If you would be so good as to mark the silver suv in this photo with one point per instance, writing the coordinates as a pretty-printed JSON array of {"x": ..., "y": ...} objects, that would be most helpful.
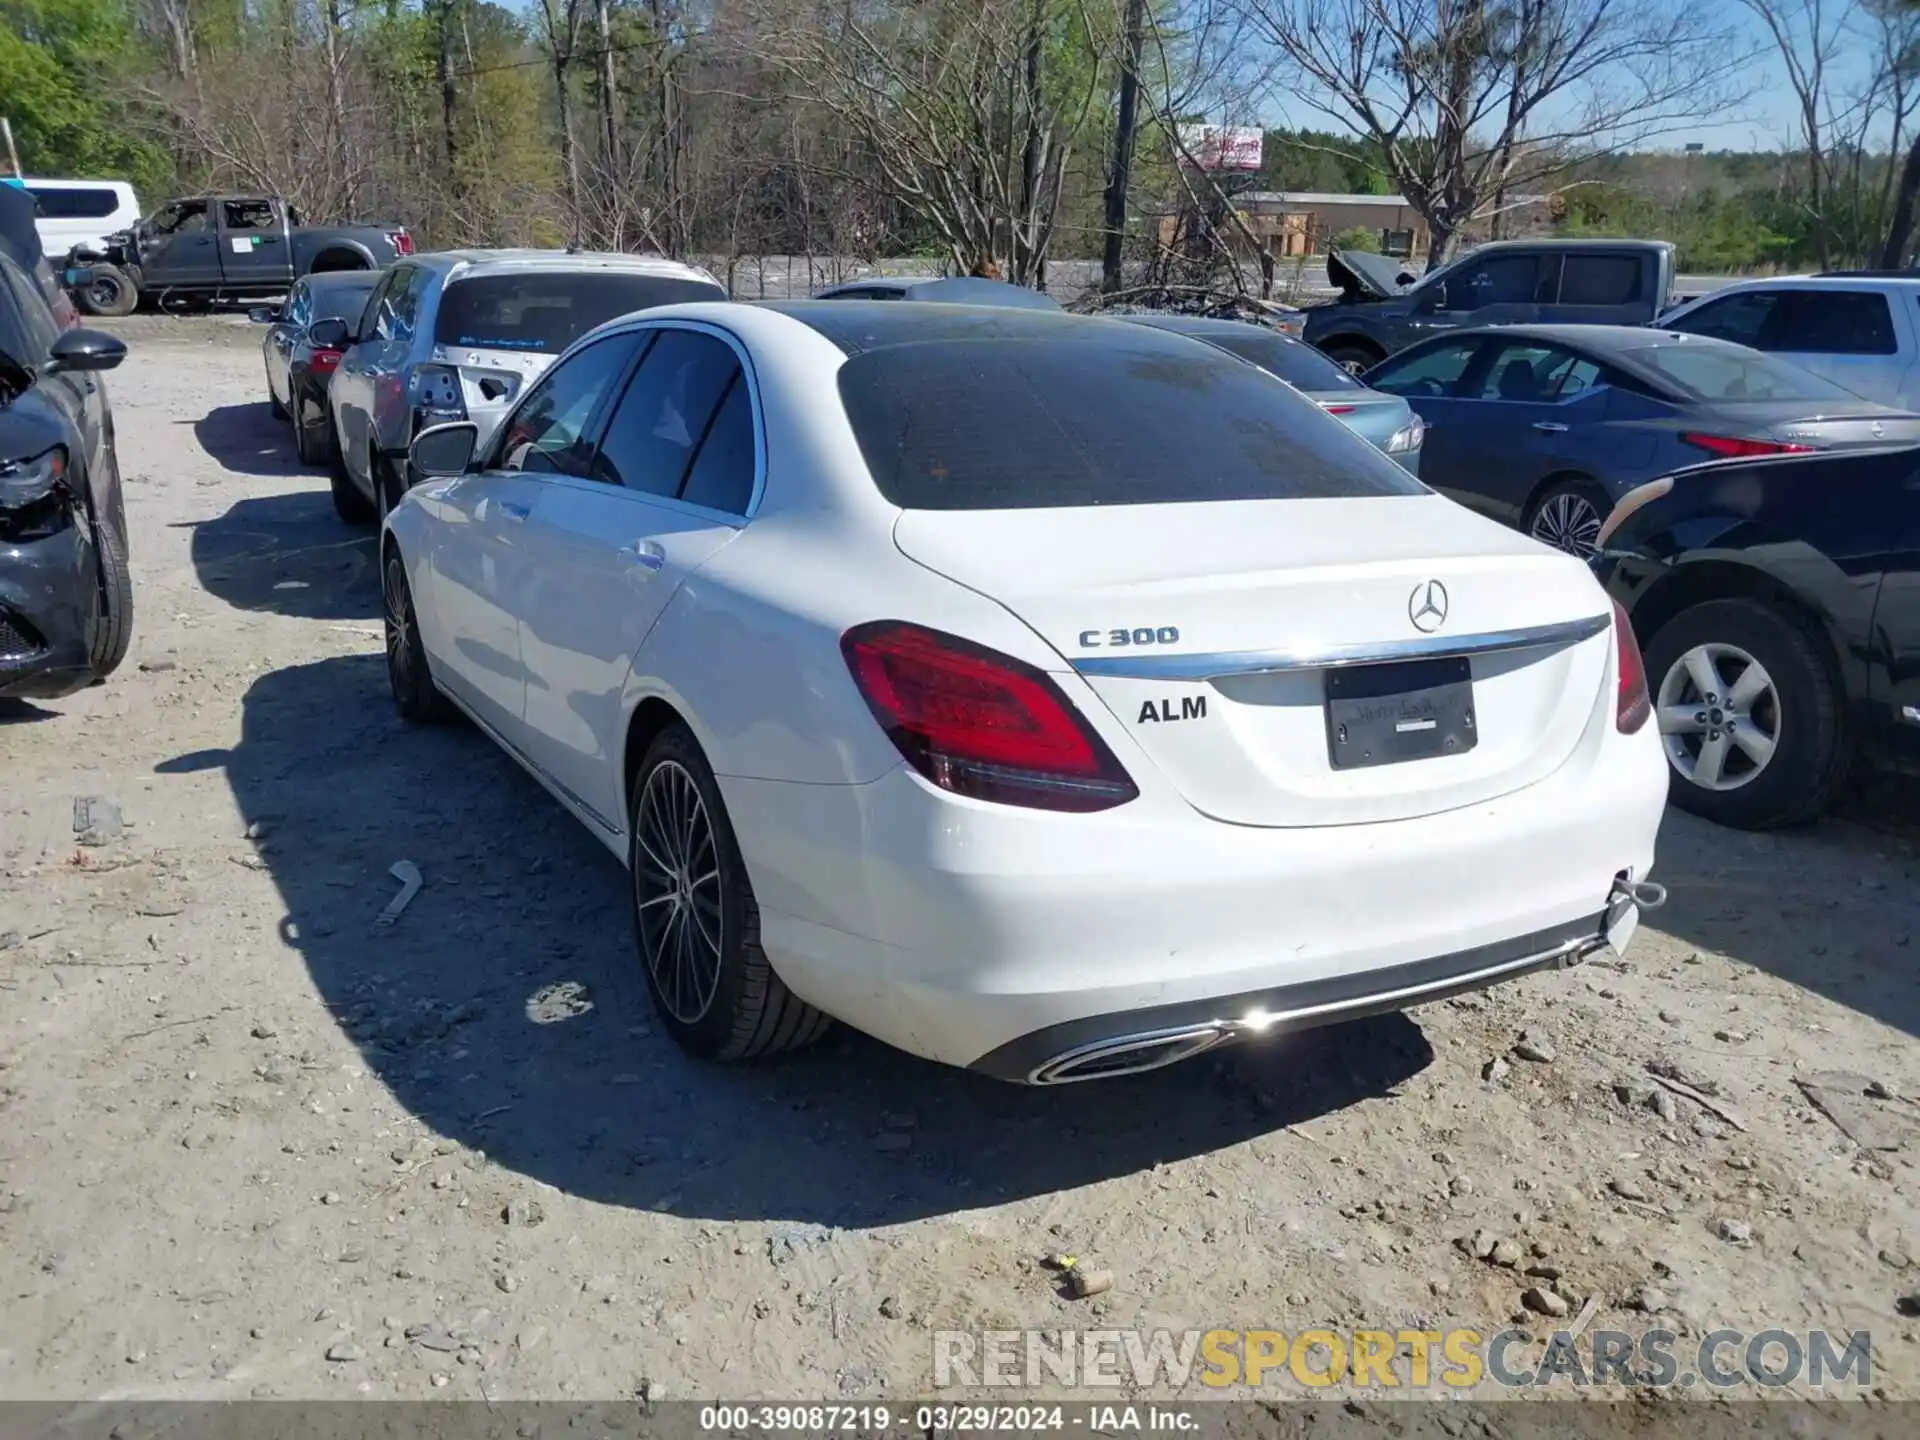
[{"x": 456, "y": 335}]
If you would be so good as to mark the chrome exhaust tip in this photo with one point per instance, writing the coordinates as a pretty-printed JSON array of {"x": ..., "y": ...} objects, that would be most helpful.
[{"x": 1128, "y": 1054}]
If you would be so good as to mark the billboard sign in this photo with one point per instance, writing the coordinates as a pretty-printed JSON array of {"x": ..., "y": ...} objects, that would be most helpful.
[{"x": 1223, "y": 147}]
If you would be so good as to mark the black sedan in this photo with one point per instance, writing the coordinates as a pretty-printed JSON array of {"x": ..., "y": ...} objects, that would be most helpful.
[
  {"x": 299, "y": 371},
  {"x": 1546, "y": 426},
  {"x": 1777, "y": 603},
  {"x": 66, "y": 598}
]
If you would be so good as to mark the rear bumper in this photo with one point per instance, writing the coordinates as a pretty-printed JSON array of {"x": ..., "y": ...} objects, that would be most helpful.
[
  {"x": 981, "y": 935},
  {"x": 49, "y": 593}
]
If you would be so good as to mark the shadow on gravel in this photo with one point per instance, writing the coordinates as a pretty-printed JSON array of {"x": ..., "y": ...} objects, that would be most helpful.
[
  {"x": 1831, "y": 908},
  {"x": 247, "y": 440},
  {"x": 455, "y": 1007},
  {"x": 290, "y": 554}
]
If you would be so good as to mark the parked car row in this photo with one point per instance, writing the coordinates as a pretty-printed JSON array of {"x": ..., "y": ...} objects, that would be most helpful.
[{"x": 895, "y": 647}]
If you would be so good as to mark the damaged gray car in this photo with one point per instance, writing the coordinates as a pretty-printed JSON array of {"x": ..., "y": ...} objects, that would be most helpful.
[{"x": 66, "y": 598}]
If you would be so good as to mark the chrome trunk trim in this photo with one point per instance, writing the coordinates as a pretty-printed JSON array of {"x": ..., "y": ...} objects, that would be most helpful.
[{"x": 1260, "y": 662}]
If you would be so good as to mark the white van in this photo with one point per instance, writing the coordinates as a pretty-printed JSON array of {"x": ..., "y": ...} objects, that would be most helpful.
[{"x": 77, "y": 212}]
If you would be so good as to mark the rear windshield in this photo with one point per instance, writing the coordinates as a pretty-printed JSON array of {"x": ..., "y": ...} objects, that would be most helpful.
[
  {"x": 1732, "y": 372},
  {"x": 1136, "y": 419},
  {"x": 342, "y": 301},
  {"x": 1300, "y": 365},
  {"x": 549, "y": 311}
]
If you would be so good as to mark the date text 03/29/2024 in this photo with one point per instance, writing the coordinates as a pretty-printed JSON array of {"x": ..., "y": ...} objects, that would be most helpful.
[{"x": 920, "y": 1420}]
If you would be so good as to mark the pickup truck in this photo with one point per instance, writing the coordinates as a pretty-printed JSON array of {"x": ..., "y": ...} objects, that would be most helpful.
[
  {"x": 215, "y": 247},
  {"x": 1383, "y": 307}
]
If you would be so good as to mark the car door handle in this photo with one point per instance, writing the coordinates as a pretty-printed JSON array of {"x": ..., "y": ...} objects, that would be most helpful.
[
  {"x": 1550, "y": 427},
  {"x": 511, "y": 511},
  {"x": 646, "y": 552}
]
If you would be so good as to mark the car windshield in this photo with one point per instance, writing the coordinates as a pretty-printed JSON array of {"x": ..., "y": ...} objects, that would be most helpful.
[
  {"x": 1141, "y": 419},
  {"x": 343, "y": 300},
  {"x": 1709, "y": 371},
  {"x": 547, "y": 311},
  {"x": 1300, "y": 365}
]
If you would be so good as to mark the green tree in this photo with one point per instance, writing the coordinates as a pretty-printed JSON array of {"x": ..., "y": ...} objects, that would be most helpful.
[{"x": 63, "y": 66}]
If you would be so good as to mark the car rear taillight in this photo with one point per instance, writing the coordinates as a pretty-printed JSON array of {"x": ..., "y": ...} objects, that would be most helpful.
[
  {"x": 1337, "y": 409},
  {"x": 324, "y": 362},
  {"x": 981, "y": 724},
  {"x": 401, "y": 240},
  {"x": 1735, "y": 447},
  {"x": 1632, "y": 705}
]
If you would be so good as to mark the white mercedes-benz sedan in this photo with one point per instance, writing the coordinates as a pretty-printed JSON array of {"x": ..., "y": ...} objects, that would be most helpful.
[{"x": 1046, "y": 695}]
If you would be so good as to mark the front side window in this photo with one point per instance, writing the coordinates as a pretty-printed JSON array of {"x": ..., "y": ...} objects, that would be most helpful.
[
  {"x": 1498, "y": 280},
  {"x": 665, "y": 412},
  {"x": 552, "y": 430},
  {"x": 1432, "y": 373},
  {"x": 1141, "y": 418},
  {"x": 183, "y": 217},
  {"x": 1741, "y": 318},
  {"x": 1526, "y": 373}
]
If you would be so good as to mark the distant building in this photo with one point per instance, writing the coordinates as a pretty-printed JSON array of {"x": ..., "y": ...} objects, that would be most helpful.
[{"x": 1299, "y": 222}]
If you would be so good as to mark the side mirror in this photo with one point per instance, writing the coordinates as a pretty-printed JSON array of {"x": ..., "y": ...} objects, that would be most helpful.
[
  {"x": 84, "y": 350},
  {"x": 441, "y": 452},
  {"x": 264, "y": 314},
  {"x": 329, "y": 334}
]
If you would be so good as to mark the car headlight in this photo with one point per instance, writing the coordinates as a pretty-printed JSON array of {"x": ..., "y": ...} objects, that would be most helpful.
[
  {"x": 1408, "y": 437},
  {"x": 27, "y": 482}
]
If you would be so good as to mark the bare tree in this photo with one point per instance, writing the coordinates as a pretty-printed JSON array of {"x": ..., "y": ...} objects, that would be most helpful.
[
  {"x": 952, "y": 110},
  {"x": 1471, "y": 100},
  {"x": 560, "y": 20},
  {"x": 1126, "y": 131}
]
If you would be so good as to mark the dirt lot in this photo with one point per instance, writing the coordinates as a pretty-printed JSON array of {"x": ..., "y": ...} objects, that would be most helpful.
[{"x": 252, "y": 1144}]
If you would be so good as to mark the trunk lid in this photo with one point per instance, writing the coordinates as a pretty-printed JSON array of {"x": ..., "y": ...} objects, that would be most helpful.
[
  {"x": 1872, "y": 426},
  {"x": 484, "y": 382},
  {"x": 1372, "y": 416},
  {"x": 1242, "y": 610}
]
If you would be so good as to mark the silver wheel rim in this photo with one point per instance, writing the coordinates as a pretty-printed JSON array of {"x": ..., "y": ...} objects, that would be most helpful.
[
  {"x": 1568, "y": 521},
  {"x": 1719, "y": 717},
  {"x": 676, "y": 892}
]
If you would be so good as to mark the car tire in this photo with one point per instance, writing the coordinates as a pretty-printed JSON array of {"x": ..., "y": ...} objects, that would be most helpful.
[
  {"x": 1568, "y": 514},
  {"x": 113, "y": 628},
  {"x": 386, "y": 492},
  {"x": 1353, "y": 356},
  {"x": 110, "y": 293},
  {"x": 348, "y": 502},
  {"x": 714, "y": 990},
  {"x": 415, "y": 692},
  {"x": 1798, "y": 714}
]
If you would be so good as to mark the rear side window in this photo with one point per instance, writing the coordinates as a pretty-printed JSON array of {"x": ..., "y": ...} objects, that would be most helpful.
[
  {"x": 723, "y": 472},
  {"x": 1831, "y": 322},
  {"x": 548, "y": 311},
  {"x": 1295, "y": 362},
  {"x": 1132, "y": 419},
  {"x": 1600, "y": 280},
  {"x": 62, "y": 203},
  {"x": 1728, "y": 373},
  {"x": 665, "y": 411}
]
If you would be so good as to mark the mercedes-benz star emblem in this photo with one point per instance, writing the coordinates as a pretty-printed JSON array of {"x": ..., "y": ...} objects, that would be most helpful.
[
  {"x": 1879, "y": 431},
  {"x": 1427, "y": 606}
]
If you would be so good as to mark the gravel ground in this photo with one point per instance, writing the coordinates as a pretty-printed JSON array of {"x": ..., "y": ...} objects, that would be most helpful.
[{"x": 253, "y": 1145}]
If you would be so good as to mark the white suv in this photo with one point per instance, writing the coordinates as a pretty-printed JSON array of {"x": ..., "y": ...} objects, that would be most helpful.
[
  {"x": 81, "y": 212},
  {"x": 1859, "y": 331}
]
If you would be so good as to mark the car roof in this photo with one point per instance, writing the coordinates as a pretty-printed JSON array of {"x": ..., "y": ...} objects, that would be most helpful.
[
  {"x": 860, "y": 327},
  {"x": 1817, "y": 282},
  {"x": 506, "y": 261},
  {"x": 948, "y": 290},
  {"x": 1602, "y": 339}
]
